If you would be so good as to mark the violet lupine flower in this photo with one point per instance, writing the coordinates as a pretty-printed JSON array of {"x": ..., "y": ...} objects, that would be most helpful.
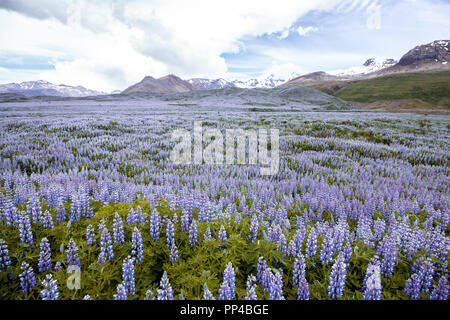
[
  {"x": 174, "y": 252},
  {"x": 47, "y": 220},
  {"x": 207, "y": 295},
  {"x": 388, "y": 252},
  {"x": 303, "y": 289},
  {"x": 222, "y": 234},
  {"x": 75, "y": 209},
  {"x": 254, "y": 227},
  {"x": 118, "y": 231},
  {"x": 299, "y": 269},
  {"x": 26, "y": 236},
  {"x": 44, "y": 263},
  {"x": 50, "y": 291},
  {"x": 131, "y": 217},
  {"x": 337, "y": 278},
  {"x": 227, "y": 290},
  {"x": 275, "y": 285},
  {"x": 372, "y": 289},
  {"x": 106, "y": 247},
  {"x": 58, "y": 265},
  {"x": 140, "y": 216},
  {"x": 148, "y": 295},
  {"x": 298, "y": 239},
  {"x": 72, "y": 254},
  {"x": 251, "y": 288},
  {"x": 184, "y": 224},
  {"x": 326, "y": 253},
  {"x": 90, "y": 235},
  {"x": 121, "y": 293},
  {"x": 60, "y": 212},
  {"x": 166, "y": 292},
  {"x": 170, "y": 233},
  {"x": 137, "y": 246},
  {"x": 412, "y": 286},
  {"x": 155, "y": 222},
  {"x": 282, "y": 245},
  {"x": 425, "y": 270},
  {"x": 260, "y": 270},
  {"x": 128, "y": 275},
  {"x": 101, "y": 226},
  {"x": 207, "y": 234},
  {"x": 440, "y": 290},
  {"x": 193, "y": 233},
  {"x": 311, "y": 244},
  {"x": 87, "y": 297},
  {"x": 27, "y": 278},
  {"x": 5, "y": 261},
  {"x": 34, "y": 209}
]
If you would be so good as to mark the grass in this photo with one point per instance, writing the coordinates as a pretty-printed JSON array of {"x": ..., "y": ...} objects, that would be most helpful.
[{"x": 433, "y": 88}]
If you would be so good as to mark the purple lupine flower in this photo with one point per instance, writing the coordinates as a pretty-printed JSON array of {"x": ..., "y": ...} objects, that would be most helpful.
[
  {"x": 251, "y": 288},
  {"x": 298, "y": 239},
  {"x": 303, "y": 289},
  {"x": 207, "y": 295},
  {"x": 140, "y": 216},
  {"x": 26, "y": 236},
  {"x": 254, "y": 227},
  {"x": 45, "y": 263},
  {"x": 222, "y": 234},
  {"x": 260, "y": 270},
  {"x": 184, "y": 224},
  {"x": 372, "y": 288},
  {"x": 72, "y": 254},
  {"x": 166, "y": 292},
  {"x": 299, "y": 269},
  {"x": 148, "y": 295},
  {"x": 388, "y": 251},
  {"x": 90, "y": 235},
  {"x": 121, "y": 293},
  {"x": 155, "y": 222},
  {"x": 174, "y": 252},
  {"x": 131, "y": 217},
  {"x": 282, "y": 245},
  {"x": 34, "y": 209},
  {"x": 106, "y": 247},
  {"x": 207, "y": 234},
  {"x": 75, "y": 209},
  {"x": 50, "y": 291},
  {"x": 412, "y": 286},
  {"x": 58, "y": 265},
  {"x": 128, "y": 275},
  {"x": 227, "y": 290},
  {"x": 425, "y": 270},
  {"x": 440, "y": 290},
  {"x": 47, "y": 220},
  {"x": 137, "y": 246},
  {"x": 326, "y": 253},
  {"x": 5, "y": 261},
  {"x": 118, "y": 231},
  {"x": 275, "y": 285},
  {"x": 87, "y": 297},
  {"x": 379, "y": 227},
  {"x": 101, "y": 226},
  {"x": 337, "y": 277},
  {"x": 193, "y": 233},
  {"x": 170, "y": 233},
  {"x": 311, "y": 244},
  {"x": 60, "y": 212},
  {"x": 27, "y": 278}
]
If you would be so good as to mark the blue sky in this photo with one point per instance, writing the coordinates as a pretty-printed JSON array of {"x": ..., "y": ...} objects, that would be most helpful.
[{"x": 108, "y": 45}]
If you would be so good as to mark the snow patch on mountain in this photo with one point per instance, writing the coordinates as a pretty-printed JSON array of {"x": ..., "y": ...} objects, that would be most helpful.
[{"x": 371, "y": 65}]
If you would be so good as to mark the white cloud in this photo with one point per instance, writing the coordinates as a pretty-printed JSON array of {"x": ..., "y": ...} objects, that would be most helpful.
[
  {"x": 110, "y": 45},
  {"x": 304, "y": 31}
]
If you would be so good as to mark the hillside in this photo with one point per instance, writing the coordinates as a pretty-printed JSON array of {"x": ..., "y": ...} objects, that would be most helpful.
[{"x": 433, "y": 88}]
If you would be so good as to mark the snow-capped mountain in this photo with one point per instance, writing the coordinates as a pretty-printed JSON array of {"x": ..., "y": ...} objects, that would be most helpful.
[
  {"x": 209, "y": 84},
  {"x": 371, "y": 65},
  {"x": 44, "y": 88},
  {"x": 269, "y": 82}
]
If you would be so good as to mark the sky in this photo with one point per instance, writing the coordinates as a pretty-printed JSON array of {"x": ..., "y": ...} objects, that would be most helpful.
[{"x": 110, "y": 45}]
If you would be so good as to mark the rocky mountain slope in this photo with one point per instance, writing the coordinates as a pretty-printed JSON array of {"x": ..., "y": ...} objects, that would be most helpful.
[{"x": 166, "y": 84}]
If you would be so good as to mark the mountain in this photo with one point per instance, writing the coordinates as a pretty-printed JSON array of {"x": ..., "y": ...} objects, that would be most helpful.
[
  {"x": 371, "y": 65},
  {"x": 269, "y": 82},
  {"x": 166, "y": 84},
  {"x": 431, "y": 57},
  {"x": 208, "y": 84},
  {"x": 44, "y": 88}
]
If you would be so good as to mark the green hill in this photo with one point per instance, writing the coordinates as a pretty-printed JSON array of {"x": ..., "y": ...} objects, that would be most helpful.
[{"x": 433, "y": 88}]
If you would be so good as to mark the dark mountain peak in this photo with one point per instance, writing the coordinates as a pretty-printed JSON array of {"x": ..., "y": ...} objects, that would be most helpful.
[{"x": 436, "y": 51}]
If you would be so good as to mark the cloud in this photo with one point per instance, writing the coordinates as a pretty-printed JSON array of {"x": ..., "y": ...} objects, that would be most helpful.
[{"x": 304, "y": 31}]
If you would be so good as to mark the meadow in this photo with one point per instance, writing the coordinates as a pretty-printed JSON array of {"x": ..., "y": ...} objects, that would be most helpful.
[{"x": 359, "y": 208}]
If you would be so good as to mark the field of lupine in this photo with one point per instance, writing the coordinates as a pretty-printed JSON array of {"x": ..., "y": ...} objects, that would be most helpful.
[{"x": 358, "y": 210}]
